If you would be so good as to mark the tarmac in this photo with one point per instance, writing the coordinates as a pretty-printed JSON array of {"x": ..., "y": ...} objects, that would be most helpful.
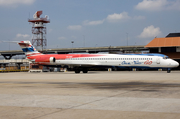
[{"x": 95, "y": 95}]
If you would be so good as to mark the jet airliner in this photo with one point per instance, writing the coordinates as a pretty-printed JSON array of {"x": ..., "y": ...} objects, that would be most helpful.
[{"x": 81, "y": 62}]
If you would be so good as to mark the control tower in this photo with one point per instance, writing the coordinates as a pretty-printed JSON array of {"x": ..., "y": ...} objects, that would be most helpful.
[{"x": 39, "y": 30}]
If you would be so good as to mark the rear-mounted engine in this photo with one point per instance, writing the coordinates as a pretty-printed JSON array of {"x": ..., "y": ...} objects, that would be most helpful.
[{"x": 52, "y": 60}]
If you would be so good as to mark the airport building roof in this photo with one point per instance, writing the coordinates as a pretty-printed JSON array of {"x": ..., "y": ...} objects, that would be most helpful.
[
  {"x": 164, "y": 42},
  {"x": 173, "y": 35}
]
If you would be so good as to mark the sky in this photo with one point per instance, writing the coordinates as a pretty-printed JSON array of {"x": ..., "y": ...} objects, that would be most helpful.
[{"x": 90, "y": 23}]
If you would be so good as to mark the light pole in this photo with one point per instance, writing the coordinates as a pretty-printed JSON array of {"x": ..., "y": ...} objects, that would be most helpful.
[
  {"x": 95, "y": 48},
  {"x": 72, "y": 45},
  {"x": 9, "y": 45},
  {"x": 127, "y": 39},
  {"x": 84, "y": 40}
]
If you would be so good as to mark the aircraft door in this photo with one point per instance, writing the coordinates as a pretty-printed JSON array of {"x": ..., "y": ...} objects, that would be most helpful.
[{"x": 158, "y": 60}]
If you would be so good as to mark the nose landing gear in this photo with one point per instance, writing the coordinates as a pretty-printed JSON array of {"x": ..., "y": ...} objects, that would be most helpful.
[{"x": 168, "y": 70}]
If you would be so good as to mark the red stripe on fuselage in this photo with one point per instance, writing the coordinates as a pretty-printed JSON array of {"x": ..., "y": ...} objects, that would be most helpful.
[{"x": 63, "y": 56}]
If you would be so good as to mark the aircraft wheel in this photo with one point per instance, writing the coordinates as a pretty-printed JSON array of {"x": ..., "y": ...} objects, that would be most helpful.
[
  {"x": 85, "y": 71},
  {"x": 168, "y": 71},
  {"x": 77, "y": 71}
]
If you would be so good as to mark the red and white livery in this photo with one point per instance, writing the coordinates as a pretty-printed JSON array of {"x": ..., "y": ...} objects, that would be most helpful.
[{"x": 81, "y": 62}]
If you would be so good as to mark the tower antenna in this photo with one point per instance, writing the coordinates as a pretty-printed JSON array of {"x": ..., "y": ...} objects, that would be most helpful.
[{"x": 39, "y": 30}]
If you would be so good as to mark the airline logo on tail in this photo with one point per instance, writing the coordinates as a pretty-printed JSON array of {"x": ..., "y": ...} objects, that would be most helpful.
[{"x": 27, "y": 46}]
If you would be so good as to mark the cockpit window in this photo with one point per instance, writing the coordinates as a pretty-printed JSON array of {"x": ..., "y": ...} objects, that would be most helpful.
[{"x": 165, "y": 57}]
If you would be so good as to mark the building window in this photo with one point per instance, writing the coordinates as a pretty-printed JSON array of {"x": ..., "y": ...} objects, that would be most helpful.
[{"x": 168, "y": 49}]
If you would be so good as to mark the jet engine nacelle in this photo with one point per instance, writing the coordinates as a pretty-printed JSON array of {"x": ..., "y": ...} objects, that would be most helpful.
[
  {"x": 52, "y": 60},
  {"x": 45, "y": 59}
]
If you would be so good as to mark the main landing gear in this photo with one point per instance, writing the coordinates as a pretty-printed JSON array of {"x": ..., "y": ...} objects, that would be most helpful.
[{"x": 78, "y": 70}]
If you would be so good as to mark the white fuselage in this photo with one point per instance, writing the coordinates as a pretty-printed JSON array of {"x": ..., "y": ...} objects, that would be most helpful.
[{"x": 121, "y": 60}]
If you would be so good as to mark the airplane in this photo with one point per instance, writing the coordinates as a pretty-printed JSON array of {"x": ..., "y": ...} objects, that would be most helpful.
[{"x": 82, "y": 62}]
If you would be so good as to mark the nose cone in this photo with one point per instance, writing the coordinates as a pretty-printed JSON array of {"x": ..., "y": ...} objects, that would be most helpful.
[{"x": 175, "y": 64}]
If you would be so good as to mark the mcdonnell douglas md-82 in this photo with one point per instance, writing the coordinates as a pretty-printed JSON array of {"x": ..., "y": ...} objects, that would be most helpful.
[{"x": 81, "y": 62}]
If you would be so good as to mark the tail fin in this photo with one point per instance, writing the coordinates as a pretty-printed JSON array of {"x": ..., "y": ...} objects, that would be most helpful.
[{"x": 28, "y": 48}]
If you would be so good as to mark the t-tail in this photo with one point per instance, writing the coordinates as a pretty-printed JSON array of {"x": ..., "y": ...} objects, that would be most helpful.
[{"x": 28, "y": 48}]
